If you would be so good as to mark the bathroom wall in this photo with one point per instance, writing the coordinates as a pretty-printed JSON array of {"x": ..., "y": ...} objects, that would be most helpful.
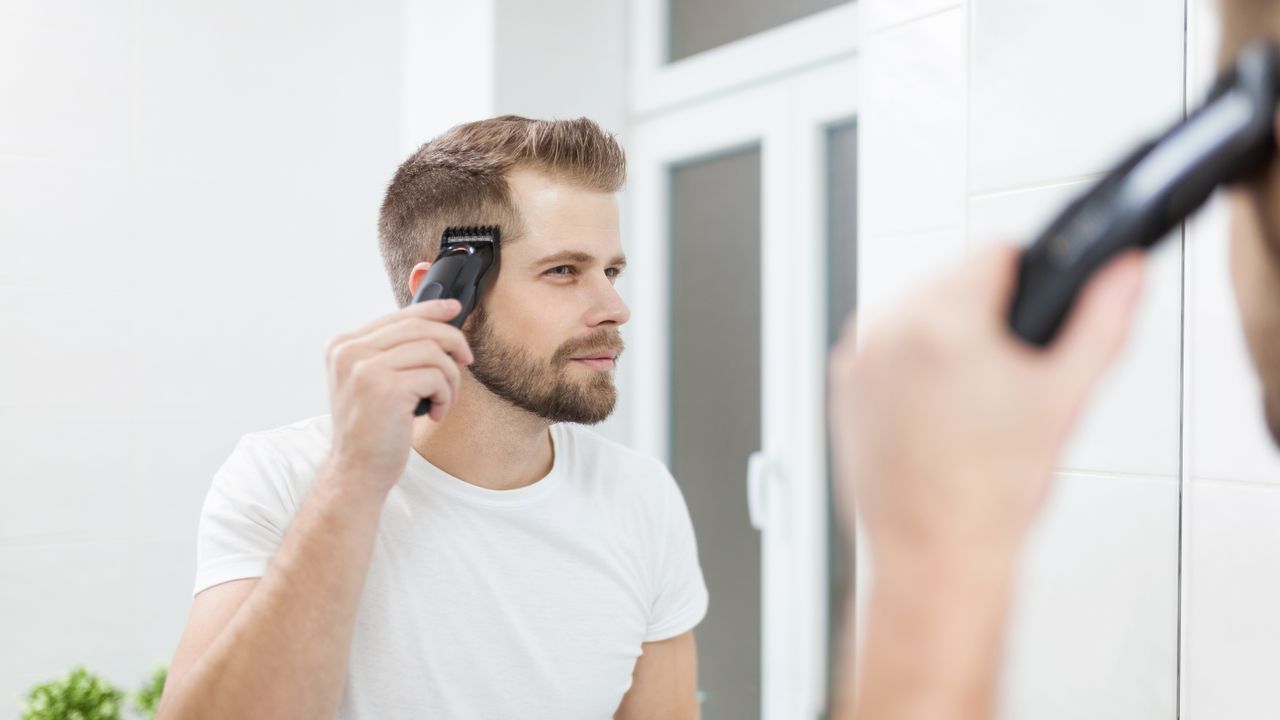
[
  {"x": 980, "y": 118},
  {"x": 190, "y": 197},
  {"x": 1231, "y": 476}
]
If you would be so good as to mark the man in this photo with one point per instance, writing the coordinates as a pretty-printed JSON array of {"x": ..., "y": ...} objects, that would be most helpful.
[
  {"x": 489, "y": 560},
  {"x": 946, "y": 430}
]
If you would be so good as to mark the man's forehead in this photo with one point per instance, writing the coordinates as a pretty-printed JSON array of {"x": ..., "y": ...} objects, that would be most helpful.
[
  {"x": 567, "y": 243},
  {"x": 563, "y": 220}
]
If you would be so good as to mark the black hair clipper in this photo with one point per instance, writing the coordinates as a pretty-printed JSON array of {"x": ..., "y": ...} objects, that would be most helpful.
[
  {"x": 467, "y": 254},
  {"x": 1227, "y": 139}
]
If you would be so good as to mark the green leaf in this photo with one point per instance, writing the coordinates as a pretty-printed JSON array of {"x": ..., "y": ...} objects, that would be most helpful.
[
  {"x": 147, "y": 699},
  {"x": 81, "y": 695}
]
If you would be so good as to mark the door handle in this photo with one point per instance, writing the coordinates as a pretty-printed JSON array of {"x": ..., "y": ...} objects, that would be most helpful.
[{"x": 759, "y": 472}]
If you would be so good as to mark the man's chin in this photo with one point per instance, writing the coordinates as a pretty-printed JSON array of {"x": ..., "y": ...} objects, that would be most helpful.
[{"x": 600, "y": 408}]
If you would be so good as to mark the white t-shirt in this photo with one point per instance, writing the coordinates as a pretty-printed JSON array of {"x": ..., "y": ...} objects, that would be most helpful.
[{"x": 483, "y": 604}]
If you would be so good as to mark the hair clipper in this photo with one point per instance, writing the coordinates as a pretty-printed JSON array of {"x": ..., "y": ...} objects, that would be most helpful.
[
  {"x": 467, "y": 255},
  {"x": 1227, "y": 139}
]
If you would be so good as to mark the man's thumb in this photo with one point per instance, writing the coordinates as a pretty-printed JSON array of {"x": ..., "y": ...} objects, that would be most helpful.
[{"x": 1098, "y": 326}]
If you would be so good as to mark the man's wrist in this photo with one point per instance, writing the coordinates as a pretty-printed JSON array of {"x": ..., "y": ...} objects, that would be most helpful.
[
  {"x": 933, "y": 633},
  {"x": 946, "y": 569},
  {"x": 344, "y": 484}
]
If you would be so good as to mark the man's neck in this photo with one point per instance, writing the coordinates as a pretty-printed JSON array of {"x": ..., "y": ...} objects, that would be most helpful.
[{"x": 486, "y": 441}]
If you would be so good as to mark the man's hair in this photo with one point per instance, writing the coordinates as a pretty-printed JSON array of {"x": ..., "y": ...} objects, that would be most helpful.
[
  {"x": 1243, "y": 21},
  {"x": 460, "y": 178}
]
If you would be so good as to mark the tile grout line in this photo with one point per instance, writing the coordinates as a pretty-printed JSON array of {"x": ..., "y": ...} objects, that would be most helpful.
[{"x": 1183, "y": 373}]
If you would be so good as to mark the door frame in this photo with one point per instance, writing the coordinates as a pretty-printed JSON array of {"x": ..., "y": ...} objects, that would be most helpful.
[{"x": 787, "y": 118}]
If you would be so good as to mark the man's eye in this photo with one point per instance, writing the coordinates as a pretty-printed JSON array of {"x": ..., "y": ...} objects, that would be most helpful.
[
  {"x": 561, "y": 271},
  {"x": 613, "y": 272}
]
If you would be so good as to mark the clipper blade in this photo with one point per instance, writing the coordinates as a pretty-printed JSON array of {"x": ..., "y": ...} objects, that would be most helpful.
[{"x": 468, "y": 234}]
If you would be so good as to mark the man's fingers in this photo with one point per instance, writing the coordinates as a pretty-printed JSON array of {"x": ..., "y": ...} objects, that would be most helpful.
[
  {"x": 1098, "y": 326},
  {"x": 421, "y": 354},
  {"x": 430, "y": 383},
  {"x": 992, "y": 273},
  {"x": 440, "y": 310},
  {"x": 412, "y": 329}
]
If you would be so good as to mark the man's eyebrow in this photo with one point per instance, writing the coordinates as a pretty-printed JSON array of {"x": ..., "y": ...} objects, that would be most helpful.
[{"x": 579, "y": 257}]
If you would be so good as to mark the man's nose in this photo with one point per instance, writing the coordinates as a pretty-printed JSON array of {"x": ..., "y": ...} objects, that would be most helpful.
[{"x": 608, "y": 307}]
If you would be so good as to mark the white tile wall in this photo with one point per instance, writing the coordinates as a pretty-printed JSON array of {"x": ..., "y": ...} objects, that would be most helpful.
[
  {"x": 1051, "y": 93},
  {"x": 889, "y": 267},
  {"x": 877, "y": 15},
  {"x": 912, "y": 128},
  {"x": 1060, "y": 89},
  {"x": 1017, "y": 216},
  {"x": 1094, "y": 629},
  {"x": 1231, "y": 506},
  {"x": 1227, "y": 436},
  {"x": 1231, "y": 629},
  {"x": 1132, "y": 423}
]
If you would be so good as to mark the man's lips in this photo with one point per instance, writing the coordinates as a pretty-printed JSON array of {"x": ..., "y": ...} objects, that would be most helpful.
[{"x": 597, "y": 361}]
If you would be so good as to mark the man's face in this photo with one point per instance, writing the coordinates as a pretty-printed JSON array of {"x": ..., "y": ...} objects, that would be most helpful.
[
  {"x": 1255, "y": 271},
  {"x": 545, "y": 336}
]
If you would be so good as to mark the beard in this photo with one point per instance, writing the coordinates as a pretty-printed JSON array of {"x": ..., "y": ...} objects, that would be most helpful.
[{"x": 544, "y": 387}]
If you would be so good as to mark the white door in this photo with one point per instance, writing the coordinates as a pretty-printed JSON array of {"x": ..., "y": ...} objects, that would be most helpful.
[{"x": 740, "y": 214}]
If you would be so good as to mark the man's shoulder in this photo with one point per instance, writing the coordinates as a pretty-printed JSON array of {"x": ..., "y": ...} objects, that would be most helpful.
[
  {"x": 289, "y": 452},
  {"x": 305, "y": 434}
]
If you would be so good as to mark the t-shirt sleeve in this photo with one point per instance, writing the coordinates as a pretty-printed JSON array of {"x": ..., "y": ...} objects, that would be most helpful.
[
  {"x": 680, "y": 600},
  {"x": 244, "y": 517}
]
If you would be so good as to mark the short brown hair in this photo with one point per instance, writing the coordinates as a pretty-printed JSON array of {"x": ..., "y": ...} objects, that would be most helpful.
[
  {"x": 1244, "y": 21},
  {"x": 460, "y": 178}
]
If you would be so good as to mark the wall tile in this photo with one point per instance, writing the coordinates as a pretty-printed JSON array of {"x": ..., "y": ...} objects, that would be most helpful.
[
  {"x": 1094, "y": 627},
  {"x": 1227, "y": 436},
  {"x": 880, "y": 14},
  {"x": 911, "y": 131},
  {"x": 1232, "y": 588},
  {"x": 889, "y": 268},
  {"x": 1062, "y": 89}
]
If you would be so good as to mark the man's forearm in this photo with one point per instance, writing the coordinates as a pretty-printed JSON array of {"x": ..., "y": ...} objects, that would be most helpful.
[
  {"x": 284, "y": 653},
  {"x": 932, "y": 641}
]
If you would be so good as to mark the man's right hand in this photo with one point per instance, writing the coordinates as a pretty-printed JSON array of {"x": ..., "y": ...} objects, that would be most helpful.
[
  {"x": 946, "y": 429},
  {"x": 377, "y": 376},
  {"x": 289, "y": 647}
]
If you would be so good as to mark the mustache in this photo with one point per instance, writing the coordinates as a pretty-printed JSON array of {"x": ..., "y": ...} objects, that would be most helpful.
[{"x": 603, "y": 340}]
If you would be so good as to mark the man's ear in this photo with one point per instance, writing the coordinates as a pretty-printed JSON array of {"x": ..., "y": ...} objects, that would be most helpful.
[{"x": 418, "y": 272}]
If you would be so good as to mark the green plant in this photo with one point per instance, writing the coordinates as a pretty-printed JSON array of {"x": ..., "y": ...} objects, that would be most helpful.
[
  {"x": 81, "y": 695},
  {"x": 147, "y": 699}
]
